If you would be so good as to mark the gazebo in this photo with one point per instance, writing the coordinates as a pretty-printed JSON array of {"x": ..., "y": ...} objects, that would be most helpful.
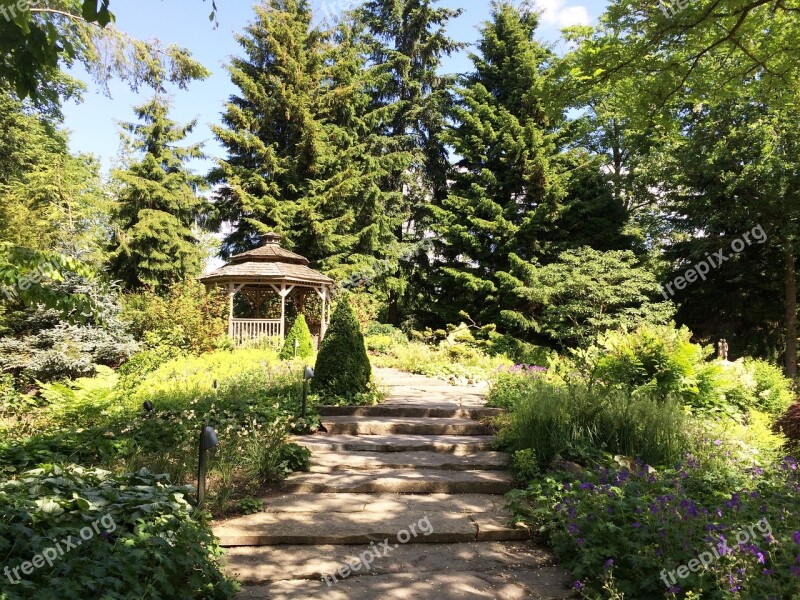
[{"x": 259, "y": 278}]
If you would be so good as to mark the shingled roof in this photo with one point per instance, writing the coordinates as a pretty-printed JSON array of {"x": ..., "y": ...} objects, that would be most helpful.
[{"x": 268, "y": 264}]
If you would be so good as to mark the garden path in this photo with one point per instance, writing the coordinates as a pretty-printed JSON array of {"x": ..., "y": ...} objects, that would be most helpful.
[{"x": 419, "y": 460}]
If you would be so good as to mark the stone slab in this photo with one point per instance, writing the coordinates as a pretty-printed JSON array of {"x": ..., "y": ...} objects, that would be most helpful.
[
  {"x": 546, "y": 583},
  {"x": 397, "y": 408},
  {"x": 263, "y": 529},
  {"x": 454, "y": 444},
  {"x": 354, "y": 425},
  {"x": 397, "y": 504},
  {"x": 396, "y": 481},
  {"x": 266, "y": 564},
  {"x": 328, "y": 462}
]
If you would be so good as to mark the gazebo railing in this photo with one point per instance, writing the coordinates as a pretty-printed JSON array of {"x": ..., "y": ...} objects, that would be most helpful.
[{"x": 245, "y": 330}]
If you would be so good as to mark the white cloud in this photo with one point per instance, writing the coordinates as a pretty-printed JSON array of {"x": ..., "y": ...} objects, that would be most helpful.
[{"x": 555, "y": 13}]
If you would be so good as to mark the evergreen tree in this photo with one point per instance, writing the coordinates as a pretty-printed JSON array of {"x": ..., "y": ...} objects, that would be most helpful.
[
  {"x": 732, "y": 167},
  {"x": 305, "y": 344},
  {"x": 505, "y": 193},
  {"x": 410, "y": 98},
  {"x": 158, "y": 204},
  {"x": 343, "y": 368},
  {"x": 273, "y": 133}
]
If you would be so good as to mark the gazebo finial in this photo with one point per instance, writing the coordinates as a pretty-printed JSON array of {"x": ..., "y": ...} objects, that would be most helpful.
[{"x": 272, "y": 238}]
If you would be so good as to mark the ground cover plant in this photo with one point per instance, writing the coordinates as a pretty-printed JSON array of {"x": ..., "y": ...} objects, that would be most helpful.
[{"x": 629, "y": 477}]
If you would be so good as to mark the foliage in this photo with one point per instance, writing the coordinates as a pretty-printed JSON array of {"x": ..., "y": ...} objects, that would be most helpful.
[
  {"x": 442, "y": 359},
  {"x": 301, "y": 333},
  {"x": 582, "y": 294},
  {"x": 137, "y": 535},
  {"x": 343, "y": 368},
  {"x": 506, "y": 188},
  {"x": 559, "y": 421},
  {"x": 636, "y": 524},
  {"x": 186, "y": 317},
  {"x": 37, "y": 43},
  {"x": 663, "y": 361},
  {"x": 524, "y": 466},
  {"x": 789, "y": 425},
  {"x": 248, "y": 396},
  {"x": 48, "y": 347},
  {"x": 155, "y": 246}
]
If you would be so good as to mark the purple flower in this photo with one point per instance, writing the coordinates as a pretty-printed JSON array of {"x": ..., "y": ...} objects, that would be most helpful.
[
  {"x": 717, "y": 442},
  {"x": 608, "y": 564},
  {"x": 577, "y": 585},
  {"x": 796, "y": 537}
]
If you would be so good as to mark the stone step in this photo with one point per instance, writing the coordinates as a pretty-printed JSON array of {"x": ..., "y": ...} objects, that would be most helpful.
[
  {"x": 354, "y": 425},
  {"x": 383, "y": 504},
  {"x": 545, "y": 583},
  {"x": 454, "y": 444},
  {"x": 444, "y": 411},
  {"x": 400, "y": 481},
  {"x": 415, "y": 525},
  {"x": 257, "y": 565},
  {"x": 331, "y": 462}
]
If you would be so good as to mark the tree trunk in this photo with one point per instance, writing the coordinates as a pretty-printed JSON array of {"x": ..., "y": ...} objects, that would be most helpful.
[{"x": 791, "y": 312}]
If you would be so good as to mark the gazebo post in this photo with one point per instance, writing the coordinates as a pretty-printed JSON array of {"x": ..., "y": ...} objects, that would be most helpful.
[
  {"x": 323, "y": 328},
  {"x": 283, "y": 312},
  {"x": 231, "y": 294}
]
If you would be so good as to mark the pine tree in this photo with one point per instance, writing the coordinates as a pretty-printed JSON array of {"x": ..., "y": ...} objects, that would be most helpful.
[
  {"x": 506, "y": 192},
  {"x": 158, "y": 204}
]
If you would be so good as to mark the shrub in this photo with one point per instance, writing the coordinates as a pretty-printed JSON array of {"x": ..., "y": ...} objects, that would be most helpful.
[
  {"x": 64, "y": 351},
  {"x": 143, "y": 538},
  {"x": 187, "y": 317},
  {"x": 301, "y": 333},
  {"x": 248, "y": 396},
  {"x": 343, "y": 368},
  {"x": 619, "y": 527},
  {"x": 773, "y": 391},
  {"x": 789, "y": 425},
  {"x": 556, "y": 420}
]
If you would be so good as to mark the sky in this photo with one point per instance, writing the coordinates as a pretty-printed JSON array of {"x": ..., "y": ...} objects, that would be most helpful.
[{"x": 94, "y": 122}]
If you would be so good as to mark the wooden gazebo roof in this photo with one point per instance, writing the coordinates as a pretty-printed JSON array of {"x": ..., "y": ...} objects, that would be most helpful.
[{"x": 268, "y": 264}]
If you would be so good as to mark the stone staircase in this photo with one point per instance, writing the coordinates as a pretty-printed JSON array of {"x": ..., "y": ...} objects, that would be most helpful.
[{"x": 415, "y": 477}]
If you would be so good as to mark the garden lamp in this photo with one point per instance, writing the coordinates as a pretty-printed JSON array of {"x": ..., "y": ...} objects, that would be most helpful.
[
  {"x": 208, "y": 441},
  {"x": 296, "y": 346},
  {"x": 148, "y": 406},
  {"x": 308, "y": 375}
]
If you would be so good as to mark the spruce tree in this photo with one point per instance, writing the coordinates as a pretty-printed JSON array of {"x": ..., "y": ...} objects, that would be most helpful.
[
  {"x": 279, "y": 149},
  {"x": 506, "y": 192},
  {"x": 410, "y": 98},
  {"x": 154, "y": 245}
]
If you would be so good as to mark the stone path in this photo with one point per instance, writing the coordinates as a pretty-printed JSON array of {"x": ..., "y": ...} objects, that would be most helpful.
[{"x": 410, "y": 487}]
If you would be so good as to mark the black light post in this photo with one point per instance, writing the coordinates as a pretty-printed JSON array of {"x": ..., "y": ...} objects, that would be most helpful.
[
  {"x": 308, "y": 375},
  {"x": 208, "y": 440}
]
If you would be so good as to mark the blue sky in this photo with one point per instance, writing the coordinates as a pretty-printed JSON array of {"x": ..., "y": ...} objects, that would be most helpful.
[{"x": 93, "y": 123}]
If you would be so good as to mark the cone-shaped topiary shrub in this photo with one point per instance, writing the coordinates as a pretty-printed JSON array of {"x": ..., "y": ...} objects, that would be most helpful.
[
  {"x": 343, "y": 368},
  {"x": 301, "y": 333}
]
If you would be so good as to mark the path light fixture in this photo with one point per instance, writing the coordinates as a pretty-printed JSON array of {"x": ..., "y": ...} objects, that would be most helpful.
[
  {"x": 308, "y": 375},
  {"x": 148, "y": 407},
  {"x": 296, "y": 346},
  {"x": 208, "y": 441}
]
